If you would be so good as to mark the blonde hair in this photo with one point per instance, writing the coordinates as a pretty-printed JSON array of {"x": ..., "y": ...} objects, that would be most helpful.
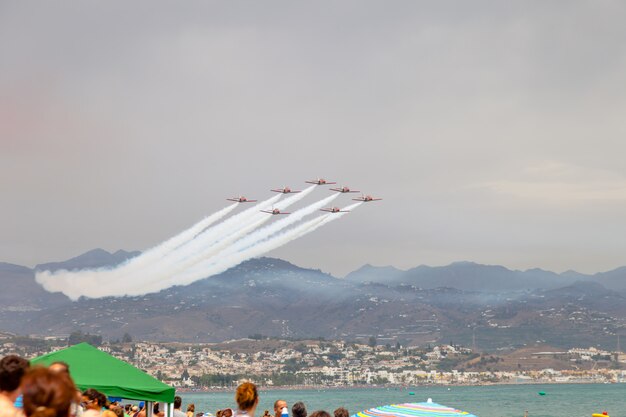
[{"x": 246, "y": 396}]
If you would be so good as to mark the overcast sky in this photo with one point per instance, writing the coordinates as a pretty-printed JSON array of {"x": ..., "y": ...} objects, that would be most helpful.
[{"x": 494, "y": 131}]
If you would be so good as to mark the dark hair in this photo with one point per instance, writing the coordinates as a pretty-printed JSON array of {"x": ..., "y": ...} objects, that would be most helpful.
[
  {"x": 319, "y": 413},
  {"x": 178, "y": 402},
  {"x": 191, "y": 407},
  {"x": 155, "y": 408},
  {"x": 96, "y": 395},
  {"x": 47, "y": 393},
  {"x": 12, "y": 369},
  {"x": 298, "y": 409},
  {"x": 341, "y": 412},
  {"x": 246, "y": 396}
]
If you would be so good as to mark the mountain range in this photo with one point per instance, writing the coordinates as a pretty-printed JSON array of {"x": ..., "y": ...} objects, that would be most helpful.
[{"x": 488, "y": 306}]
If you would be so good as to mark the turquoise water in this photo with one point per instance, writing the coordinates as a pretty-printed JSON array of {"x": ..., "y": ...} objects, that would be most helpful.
[{"x": 563, "y": 400}]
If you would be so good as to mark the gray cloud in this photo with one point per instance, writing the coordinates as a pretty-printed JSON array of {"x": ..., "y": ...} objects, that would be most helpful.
[{"x": 121, "y": 124}]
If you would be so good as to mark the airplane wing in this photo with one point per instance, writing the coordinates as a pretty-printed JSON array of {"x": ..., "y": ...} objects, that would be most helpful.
[
  {"x": 286, "y": 192},
  {"x": 320, "y": 183},
  {"x": 341, "y": 190},
  {"x": 273, "y": 213}
]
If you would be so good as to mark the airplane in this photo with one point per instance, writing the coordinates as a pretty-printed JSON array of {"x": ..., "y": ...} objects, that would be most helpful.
[
  {"x": 344, "y": 190},
  {"x": 366, "y": 198},
  {"x": 241, "y": 199},
  {"x": 320, "y": 181},
  {"x": 334, "y": 210},
  {"x": 285, "y": 190},
  {"x": 274, "y": 212}
]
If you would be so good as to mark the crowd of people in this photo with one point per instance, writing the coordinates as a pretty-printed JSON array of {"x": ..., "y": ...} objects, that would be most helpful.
[
  {"x": 40, "y": 391},
  {"x": 247, "y": 398}
]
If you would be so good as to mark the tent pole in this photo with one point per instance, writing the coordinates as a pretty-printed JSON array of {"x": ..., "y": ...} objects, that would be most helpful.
[{"x": 149, "y": 407}]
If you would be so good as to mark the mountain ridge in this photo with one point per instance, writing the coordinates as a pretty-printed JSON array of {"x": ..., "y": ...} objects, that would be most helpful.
[{"x": 274, "y": 297}]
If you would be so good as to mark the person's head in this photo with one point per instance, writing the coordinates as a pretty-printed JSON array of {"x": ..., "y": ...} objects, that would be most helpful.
[
  {"x": 178, "y": 402},
  {"x": 191, "y": 407},
  {"x": 341, "y": 412},
  {"x": 134, "y": 409},
  {"x": 279, "y": 405},
  {"x": 119, "y": 411},
  {"x": 12, "y": 369},
  {"x": 298, "y": 410},
  {"x": 266, "y": 413},
  {"x": 247, "y": 396},
  {"x": 47, "y": 393},
  {"x": 128, "y": 407},
  {"x": 59, "y": 366},
  {"x": 227, "y": 412},
  {"x": 319, "y": 413},
  {"x": 93, "y": 399},
  {"x": 155, "y": 408}
]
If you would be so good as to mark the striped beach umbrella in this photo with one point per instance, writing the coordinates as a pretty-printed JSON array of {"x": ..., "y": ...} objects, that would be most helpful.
[{"x": 427, "y": 409}]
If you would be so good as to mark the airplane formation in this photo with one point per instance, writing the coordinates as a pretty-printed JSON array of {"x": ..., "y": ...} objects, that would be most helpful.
[{"x": 320, "y": 181}]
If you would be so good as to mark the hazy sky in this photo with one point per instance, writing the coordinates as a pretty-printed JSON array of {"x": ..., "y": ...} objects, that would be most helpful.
[{"x": 494, "y": 131}]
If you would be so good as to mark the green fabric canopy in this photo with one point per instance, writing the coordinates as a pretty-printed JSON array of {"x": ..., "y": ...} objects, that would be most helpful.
[{"x": 92, "y": 368}]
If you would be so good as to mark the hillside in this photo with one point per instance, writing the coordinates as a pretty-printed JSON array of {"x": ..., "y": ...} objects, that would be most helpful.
[{"x": 462, "y": 302}]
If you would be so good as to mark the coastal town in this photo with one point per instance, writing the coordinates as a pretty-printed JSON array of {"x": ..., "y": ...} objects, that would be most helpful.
[{"x": 273, "y": 362}]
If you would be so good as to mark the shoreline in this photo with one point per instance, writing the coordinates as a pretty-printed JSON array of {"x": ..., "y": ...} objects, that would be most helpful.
[{"x": 392, "y": 387}]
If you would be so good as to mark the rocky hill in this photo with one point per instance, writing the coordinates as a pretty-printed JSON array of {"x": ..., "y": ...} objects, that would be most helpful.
[{"x": 462, "y": 302}]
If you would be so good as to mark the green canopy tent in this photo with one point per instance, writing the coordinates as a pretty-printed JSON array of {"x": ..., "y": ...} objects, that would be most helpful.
[{"x": 92, "y": 368}]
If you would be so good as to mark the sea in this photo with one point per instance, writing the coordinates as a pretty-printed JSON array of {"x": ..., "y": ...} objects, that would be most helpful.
[{"x": 558, "y": 400}]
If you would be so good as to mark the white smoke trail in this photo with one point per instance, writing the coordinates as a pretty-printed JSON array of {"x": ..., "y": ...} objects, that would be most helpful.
[
  {"x": 58, "y": 281},
  {"x": 213, "y": 241},
  {"x": 221, "y": 264},
  {"x": 225, "y": 245},
  {"x": 157, "y": 252},
  {"x": 260, "y": 234},
  {"x": 89, "y": 282},
  {"x": 201, "y": 247},
  {"x": 275, "y": 227},
  {"x": 180, "y": 255},
  {"x": 137, "y": 286},
  {"x": 188, "y": 253}
]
